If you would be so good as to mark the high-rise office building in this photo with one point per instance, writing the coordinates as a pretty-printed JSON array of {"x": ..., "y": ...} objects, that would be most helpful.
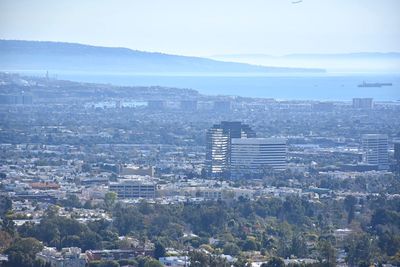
[
  {"x": 217, "y": 159},
  {"x": 219, "y": 139},
  {"x": 375, "y": 148},
  {"x": 397, "y": 150},
  {"x": 397, "y": 155},
  {"x": 362, "y": 103},
  {"x": 256, "y": 155}
]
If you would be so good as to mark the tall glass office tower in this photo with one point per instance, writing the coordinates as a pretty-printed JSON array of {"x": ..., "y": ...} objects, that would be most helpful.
[{"x": 219, "y": 143}]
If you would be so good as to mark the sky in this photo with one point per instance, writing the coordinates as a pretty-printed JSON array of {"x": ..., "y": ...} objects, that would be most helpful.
[{"x": 209, "y": 27}]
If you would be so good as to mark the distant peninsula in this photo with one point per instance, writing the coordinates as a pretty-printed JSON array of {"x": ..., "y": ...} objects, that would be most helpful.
[{"x": 17, "y": 55}]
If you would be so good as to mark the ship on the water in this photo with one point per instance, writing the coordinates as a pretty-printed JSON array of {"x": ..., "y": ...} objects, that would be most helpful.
[{"x": 365, "y": 84}]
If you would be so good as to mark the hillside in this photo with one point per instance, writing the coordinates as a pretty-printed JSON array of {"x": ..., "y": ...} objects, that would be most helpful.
[{"x": 55, "y": 56}]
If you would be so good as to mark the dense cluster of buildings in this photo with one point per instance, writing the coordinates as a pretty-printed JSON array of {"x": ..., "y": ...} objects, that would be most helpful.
[
  {"x": 16, "y": 99},
  {"x": 63, "y": 147},
  {"x": 234, "y": 151}
]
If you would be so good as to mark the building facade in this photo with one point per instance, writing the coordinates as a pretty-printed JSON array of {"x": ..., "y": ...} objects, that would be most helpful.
[
  {"x": 363, "y": 103},
  {"x": 396, "y": 147},
  {"x": 257, "y": 155},
  {"x": 134, "y": 189},
  {"x": 67, "y": 257},
  {"x": 218, "y": 150},
  {"x": 375, "y": 149}
]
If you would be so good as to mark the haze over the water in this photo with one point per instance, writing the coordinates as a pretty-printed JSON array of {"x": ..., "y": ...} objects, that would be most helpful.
[{"x": 208, "y": 27}]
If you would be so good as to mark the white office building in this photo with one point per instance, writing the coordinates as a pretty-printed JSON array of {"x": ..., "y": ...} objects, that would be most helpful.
[
  {"x": 256, "y": 155},
  {"x": 134, "y": 189},
  {"x": 375, "y": 148}
]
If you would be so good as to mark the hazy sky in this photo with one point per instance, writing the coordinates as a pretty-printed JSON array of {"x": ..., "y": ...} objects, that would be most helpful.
[{"x": 209, "y": 27}]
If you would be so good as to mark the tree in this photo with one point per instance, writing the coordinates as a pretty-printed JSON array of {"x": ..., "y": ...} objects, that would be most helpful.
[
  {"x": 327, "y": 252},
  {"x": 299, "y": 247},
  {"x": 104, "y": 264},
  {"x": 90, "y": 240},
  {"x": 52, "y": 211},
  {"x": 361, "y": 248},
  {"x": 5, "y": 240},
  {"x": 395, "y": 260},
  {"x": 128, "y": 262},
  {"x": 109, "y": 200},
  {"x": 384, "y": 216},
  {"x": 274, "y": 262},
  {"x": 349, "y": 204},
  {"x": 72, "y": 201},
  {"x": 88, "y": 205},
  {"x": 153, "y": 263},
  {"x": 200, "y": 259},
  {"x": 23, "y": 252},
  {"x": 5, "y": 205},
  {"x": 159, "y": 250},
  {"x": 86, "y": 167},
  {"x": 250, "y": 244},
  {"x": 231, "y": 249},
  {"x": 8, "y": 225},
  {"x": 148, "y": 262}
]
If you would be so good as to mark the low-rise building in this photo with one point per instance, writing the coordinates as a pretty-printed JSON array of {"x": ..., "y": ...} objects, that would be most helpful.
[
  {"x": 134, "y": 189},
  {"x": 67, "y": 257},
  {"x": 175, "y": 261},
  {"x": 117, "y": 254},
  {"x": 137, "y": 170}
]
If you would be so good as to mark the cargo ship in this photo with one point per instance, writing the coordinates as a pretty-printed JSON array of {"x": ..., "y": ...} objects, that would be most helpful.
[{"x": 365, "y": 84}]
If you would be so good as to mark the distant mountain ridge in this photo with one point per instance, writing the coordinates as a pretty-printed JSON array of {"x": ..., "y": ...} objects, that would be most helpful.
[
  {"x": 57, "y": 56},
  {"x": 318, "y": 55},
  {"x": 362, "y": 62}
]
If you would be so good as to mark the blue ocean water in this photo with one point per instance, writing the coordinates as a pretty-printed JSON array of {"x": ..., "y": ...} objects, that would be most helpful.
[{"x": 290, "y": 87}]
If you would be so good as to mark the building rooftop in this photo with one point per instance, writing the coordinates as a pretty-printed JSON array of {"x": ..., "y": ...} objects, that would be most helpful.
[{"x": 258, "y": 141}]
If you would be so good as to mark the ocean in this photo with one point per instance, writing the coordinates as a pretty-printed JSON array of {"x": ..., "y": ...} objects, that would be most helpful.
[{"x": 328, "y": 86}]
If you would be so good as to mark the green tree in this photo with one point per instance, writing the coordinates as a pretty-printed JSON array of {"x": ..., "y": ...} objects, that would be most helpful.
[
  {"x": 86, "y": 167},
  {"x": 299, "y": 247},
  {"x": 52, "y": 211},
  {"x": 109, "y": 200},
  {"x": 153, "y": 263},
  {"x": 72, "y": 201},
  {"x": 159, "y": 250},
  {"x": 326, "y": 252},
  {"x": 250, "y": 244},
  {"x": 23, "y": 252},
  {"x": 200, "y": 259},
  {"x": 128, "y": 262},
  {"x": 361, "y": 248},
  {"x": 231, "y": 249},
  {"x": 5, "y": 205},
  {"x": 274, "y": 262},
  {"x": 5, "y": 240},
  {"x": 349, "y": 204},
  {"x": 103, "y": 264}
]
